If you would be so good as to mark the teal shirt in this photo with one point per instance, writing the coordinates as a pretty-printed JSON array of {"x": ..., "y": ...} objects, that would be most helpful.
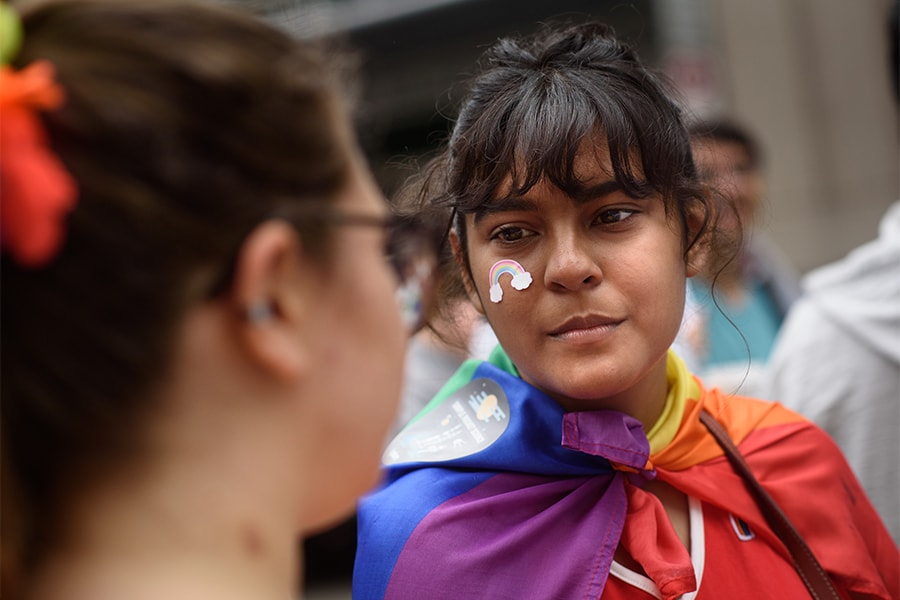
[{"x": 756, "y": 318}]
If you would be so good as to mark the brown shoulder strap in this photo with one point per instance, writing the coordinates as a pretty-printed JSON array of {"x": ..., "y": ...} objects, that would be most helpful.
[{"x": 811, "y": 572}]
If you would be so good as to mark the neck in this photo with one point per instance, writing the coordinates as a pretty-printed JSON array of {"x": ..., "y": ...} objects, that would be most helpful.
[
  {"x": 183, "y": 531},
  {"x": 646, "y": 400}
]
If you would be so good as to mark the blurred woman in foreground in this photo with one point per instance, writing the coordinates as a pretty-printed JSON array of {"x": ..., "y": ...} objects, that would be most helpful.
[{"x": 202, "y": 351}]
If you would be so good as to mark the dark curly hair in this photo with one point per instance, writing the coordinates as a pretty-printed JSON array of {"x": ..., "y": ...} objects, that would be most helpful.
[{"x": 528, "y": 113}]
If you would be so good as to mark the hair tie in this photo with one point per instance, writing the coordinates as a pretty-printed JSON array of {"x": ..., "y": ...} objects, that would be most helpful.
[{"x": 36, "y": 190}]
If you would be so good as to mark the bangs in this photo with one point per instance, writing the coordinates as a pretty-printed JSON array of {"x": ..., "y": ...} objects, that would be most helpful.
[{"x": 536, "y": 132}]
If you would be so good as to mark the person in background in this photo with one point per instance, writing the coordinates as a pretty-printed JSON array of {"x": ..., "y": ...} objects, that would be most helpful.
[
  {"x": 454, "y": 331},
  {"x": 435, "y": 353},
  {"x": 837, "y": 358},
  {"x": 738, "y": 301},
  {"x": 583, "y": 459},
  {"x": 837, "y": 361},
  {"x": 202, "y": 351}
]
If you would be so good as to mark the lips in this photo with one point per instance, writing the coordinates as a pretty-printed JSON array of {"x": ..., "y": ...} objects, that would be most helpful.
[{"x": 584, "y": 325}]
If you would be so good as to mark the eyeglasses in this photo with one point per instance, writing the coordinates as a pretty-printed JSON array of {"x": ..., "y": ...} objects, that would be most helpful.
[
  {"x": 409, "y": 250},
  {"x": 411, "y": 254}
]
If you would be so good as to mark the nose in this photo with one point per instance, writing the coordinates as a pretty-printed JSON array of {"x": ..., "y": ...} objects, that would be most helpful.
[{"x": 572, "y": 263}]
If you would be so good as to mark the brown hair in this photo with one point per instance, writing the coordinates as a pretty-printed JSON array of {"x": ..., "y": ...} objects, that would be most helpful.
[{"x": 185, "y": 125}]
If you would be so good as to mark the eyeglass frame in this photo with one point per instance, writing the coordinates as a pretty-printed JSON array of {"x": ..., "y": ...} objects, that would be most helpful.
[{"x": 410, "y": 294}]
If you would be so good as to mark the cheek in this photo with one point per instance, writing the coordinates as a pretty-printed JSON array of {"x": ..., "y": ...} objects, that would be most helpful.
[
  {"x": 375, "y": 344},
  {"x": 665, "y": 296},
  {"x": 366, "y": 346},
  {"x": 512, "y": 317},
  {"x": 358, "y": 374}
]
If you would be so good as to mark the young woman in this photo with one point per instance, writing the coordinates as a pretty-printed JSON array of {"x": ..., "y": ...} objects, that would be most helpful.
[
  {"x": 202, "y": 351},
  {"x": 573, "y": 463}
]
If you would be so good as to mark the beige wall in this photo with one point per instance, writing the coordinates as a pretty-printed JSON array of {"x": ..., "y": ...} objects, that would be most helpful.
[{"x": 812, "y": 78}]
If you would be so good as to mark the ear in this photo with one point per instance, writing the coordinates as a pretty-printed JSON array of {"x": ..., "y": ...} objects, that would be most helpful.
[
  {"x": 269, "y": 299},
  {"x": 459, "y": 257},
  {"x": 698, "y": 253},
  {"x": 696, "y": 258}
]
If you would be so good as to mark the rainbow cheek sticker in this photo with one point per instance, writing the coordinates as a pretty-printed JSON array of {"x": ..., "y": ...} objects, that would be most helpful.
[{"x": 521, "y": 278}]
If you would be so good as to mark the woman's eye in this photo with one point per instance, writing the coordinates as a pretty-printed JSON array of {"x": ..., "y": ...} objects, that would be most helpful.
[
  {"x": 614, "y": 215},
  {"x": 509, "y": 234}
]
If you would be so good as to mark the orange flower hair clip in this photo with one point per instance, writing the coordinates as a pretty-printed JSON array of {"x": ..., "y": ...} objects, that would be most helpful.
[{"x": 36, "y": 190}]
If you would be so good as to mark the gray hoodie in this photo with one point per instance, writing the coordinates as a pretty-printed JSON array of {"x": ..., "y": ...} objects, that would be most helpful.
[{"x": 837, "y": 361}]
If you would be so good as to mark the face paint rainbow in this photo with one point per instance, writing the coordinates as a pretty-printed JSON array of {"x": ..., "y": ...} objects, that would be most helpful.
[{"x": 521, "y": 278}]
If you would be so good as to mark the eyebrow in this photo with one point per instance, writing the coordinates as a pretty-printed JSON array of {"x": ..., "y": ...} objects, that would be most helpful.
[{"x": 520, "y": 203}]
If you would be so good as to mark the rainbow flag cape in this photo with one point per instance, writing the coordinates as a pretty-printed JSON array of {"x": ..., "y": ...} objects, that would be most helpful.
[{"x": 493, "y": 491}]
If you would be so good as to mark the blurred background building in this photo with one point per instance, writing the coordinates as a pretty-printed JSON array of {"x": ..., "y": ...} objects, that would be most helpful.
[{"x": 809, "y": 77}]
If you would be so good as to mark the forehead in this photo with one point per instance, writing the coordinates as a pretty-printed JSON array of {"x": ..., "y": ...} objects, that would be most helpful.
[
  {"x": 592, "y": 162},
  {"x": 587, "y": 162},
  {"x": 590, "y": 166}
]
